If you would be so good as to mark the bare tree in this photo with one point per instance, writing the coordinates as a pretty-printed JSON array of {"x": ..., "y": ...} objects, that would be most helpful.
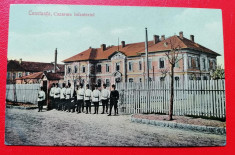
[
  {"x": 164, "y": 72},
  {"x": 173, "y": 56}
]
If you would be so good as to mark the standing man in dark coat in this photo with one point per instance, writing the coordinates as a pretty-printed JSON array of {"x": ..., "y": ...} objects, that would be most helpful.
[{"x": 114, "y": 96}]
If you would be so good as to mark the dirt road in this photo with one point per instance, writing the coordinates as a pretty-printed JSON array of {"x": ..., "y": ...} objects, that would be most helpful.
[{"x": 56, "y": 128}]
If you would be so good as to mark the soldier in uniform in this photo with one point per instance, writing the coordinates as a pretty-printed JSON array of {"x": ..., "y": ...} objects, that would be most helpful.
[
  {"x": 50, "y": 106},
  {"x": 80, "y": 98},
  {"x": 87, "y": 99},
  {"x": 68, "y": 97},
  {"x": 56, "y": 96},
  {"x": 114, "y": 96},
  {"x": 96, "y": 99},
  {"x": 105, "y": 98},
  {"x": 41, "y": 99},
  {"x": 62, "y": 97}
]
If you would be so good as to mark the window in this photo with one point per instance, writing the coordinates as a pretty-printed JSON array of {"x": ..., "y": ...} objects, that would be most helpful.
[
  {"x": 140, "y": 65},
  {"x": 83, "y": 69},
  {"x": 19, "y": 74},
  {"x": 68, "y": 70},
  {"x": 150, "y": 79},
  {"x": 193, "y": 62},
  {"x": 130, "y": 64},
  {"x": 107, "y": 67},
  {"x": 203, "y": 63},
  {"x": 177, "y": 79},
  {"x": 8, "y": 75},
  {"x": 162, "y": 79},
  {"x": 189, "y": 62},
  {"x": 177, "y": 63},
  {"x": 99, "y": 82},
  {"x": 131, "y": 80},
  {"x": 14, "y": 76},
  {"x": 117, "y": 66},
  {"x": 214, "y": 64},
  {"x": 140, "y": 79},
  {"x": 197, "y": 62},
  {"x": 75, "y": 69},
  {"x": 161, "y": 63},
  {"x": 210, "y": 64},
  {"x": 198, "y": 78},
  {"x": 107, "y": 82},
  {"x": 150, "y": 64},
  {"x": 99, "y": 68}
]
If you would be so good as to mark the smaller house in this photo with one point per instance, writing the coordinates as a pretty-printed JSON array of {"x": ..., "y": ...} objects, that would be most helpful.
[
  {"x": 45, "y": 79},
  {"x": 18, "y": 69}
]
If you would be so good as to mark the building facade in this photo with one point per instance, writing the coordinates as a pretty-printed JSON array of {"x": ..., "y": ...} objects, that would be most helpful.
[{"x": 127, "y": 62}]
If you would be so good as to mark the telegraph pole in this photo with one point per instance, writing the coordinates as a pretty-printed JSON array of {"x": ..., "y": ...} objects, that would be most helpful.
[
  {"x": 147, "y": 67},
  {"x": 146, "y": 56}
]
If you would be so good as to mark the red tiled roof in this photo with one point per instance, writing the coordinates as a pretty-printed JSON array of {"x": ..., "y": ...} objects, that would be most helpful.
[
  {"x": 37, "y": 75},
  {"x": 29, "y": 66},
  {"x": 14, "y": 66},
  {"x": 135, "y": 49}
]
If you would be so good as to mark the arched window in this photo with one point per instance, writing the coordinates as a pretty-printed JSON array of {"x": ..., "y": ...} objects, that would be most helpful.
[
  {"x": 75, "y": 69},
  {"x": 83, "y": 69},
  {"x": 68, "y": 70},
  {"x": 99, "y": 69}
]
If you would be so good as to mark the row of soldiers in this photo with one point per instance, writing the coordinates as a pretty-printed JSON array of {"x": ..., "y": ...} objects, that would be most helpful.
[{"x": 67, "y": 100}]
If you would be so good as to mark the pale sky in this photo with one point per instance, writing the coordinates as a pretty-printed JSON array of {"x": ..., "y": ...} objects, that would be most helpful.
[{"x": 34, "y": 38}]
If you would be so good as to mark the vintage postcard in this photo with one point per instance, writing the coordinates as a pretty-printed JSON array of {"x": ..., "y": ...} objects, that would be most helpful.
[{"x": 115, "y": 76}]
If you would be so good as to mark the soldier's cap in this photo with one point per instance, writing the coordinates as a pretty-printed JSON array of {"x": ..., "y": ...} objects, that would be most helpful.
[
  {"x": 113, "y": 85},
  {"x": 96, "y": 85},
  {"x": 104, "y": 85}
]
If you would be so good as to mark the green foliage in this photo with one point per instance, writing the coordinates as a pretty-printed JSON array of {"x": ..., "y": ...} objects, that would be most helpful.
[{"x": 218, "y": 73}]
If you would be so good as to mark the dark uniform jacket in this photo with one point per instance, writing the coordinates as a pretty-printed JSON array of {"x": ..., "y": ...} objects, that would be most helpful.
[{"x": 114, "y": 96}]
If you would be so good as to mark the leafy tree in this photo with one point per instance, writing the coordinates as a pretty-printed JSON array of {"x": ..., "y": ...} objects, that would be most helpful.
[{"x": 218, "y": 73}]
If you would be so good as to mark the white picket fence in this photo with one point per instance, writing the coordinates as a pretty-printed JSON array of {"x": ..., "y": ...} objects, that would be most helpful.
[
  {"x": 193, "y": 97},
  {"x": 22, "y": 93}
]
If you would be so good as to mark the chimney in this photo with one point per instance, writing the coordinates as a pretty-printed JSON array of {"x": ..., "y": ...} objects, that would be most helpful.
[
  {"x": 155, "y": 39},
  {"x": 55, "y": 60},
  {"x": 181, "y": 34},
  {"x": 103, "y": 47},
  {"x": 20, "y": 61},
  {"x": 192, "y": 38},
  {"x": 162, "y": 37},
  {"x": 123, "y": 44}
]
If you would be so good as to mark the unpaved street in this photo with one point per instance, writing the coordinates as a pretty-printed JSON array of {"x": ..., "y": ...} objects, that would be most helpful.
[{"x": 56, "y": 128}]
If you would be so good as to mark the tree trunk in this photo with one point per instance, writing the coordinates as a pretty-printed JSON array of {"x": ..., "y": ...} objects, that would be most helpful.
[{"x": 172, "y": 92}]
